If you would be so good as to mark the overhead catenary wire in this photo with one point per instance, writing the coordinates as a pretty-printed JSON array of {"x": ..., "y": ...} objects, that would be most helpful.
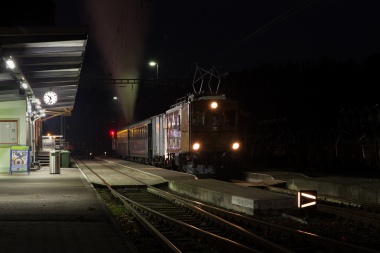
[{"x": 281, "y": 17}]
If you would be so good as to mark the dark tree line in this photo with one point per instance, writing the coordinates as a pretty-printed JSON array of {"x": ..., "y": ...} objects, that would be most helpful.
[{"x": 306, "y": 114}]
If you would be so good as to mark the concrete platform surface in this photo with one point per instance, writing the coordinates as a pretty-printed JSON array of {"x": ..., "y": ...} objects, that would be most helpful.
[
  {"x": 360, "y": 189},
  {"x": 231, "y": 196},
  {"x": 43, "y": 212},
  {"x": 159, "y": 172},
  {"x": 116, "y": 179}
]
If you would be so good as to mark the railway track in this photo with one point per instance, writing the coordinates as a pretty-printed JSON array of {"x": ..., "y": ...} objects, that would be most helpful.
[
  {"x": 364, "y": 217},
  {"x": 364, "y": 213},
  {"x": 183, "y": 225}
]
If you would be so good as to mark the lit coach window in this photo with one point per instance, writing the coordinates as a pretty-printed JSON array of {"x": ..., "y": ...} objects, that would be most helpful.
[{"x": 214, "y": 105}]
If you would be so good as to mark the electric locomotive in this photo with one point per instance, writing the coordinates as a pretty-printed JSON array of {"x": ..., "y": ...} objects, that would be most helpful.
[{"x": 202, "y": 133}]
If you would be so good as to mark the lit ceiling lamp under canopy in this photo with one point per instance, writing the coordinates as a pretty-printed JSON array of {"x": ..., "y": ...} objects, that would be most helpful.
[
  {"x": 19, "y": 76},
  {"x": 37, "y": 111}
]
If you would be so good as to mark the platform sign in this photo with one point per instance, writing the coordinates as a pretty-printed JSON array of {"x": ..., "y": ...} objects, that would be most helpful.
[
  {"x": 19, "y": 159},
  {"x": 307, "y": 199}
]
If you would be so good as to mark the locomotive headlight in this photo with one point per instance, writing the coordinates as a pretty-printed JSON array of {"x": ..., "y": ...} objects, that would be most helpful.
[
  {"x": 214, "y": 105},
  {"x": 235, "y": 146},
  {"x": 196, "y": 146}
]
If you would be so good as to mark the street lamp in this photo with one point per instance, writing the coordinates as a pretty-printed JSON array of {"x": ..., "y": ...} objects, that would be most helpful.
[
  {"x": 115, "y": 98},
  {"x": 153, "y": 63}
]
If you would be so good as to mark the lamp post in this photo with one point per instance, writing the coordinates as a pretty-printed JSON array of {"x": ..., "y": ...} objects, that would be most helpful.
[
  {"x": 153, "y": 63},
  {"x": 115, "y": 105}
]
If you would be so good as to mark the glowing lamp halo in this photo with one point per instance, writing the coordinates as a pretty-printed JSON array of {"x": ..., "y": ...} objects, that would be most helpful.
[
  {"x": 214, "y": 105},
  {"x": 235, "y": 146},
  {"x": 196, "y": 146}
]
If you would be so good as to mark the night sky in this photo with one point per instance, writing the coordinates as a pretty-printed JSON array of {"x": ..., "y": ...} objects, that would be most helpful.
[
  {"x": 235, "y": 36},
  {"x": 239, "y": 35}
]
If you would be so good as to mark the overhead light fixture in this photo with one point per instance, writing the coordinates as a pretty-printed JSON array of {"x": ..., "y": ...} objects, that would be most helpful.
[
  {"x": 22, "y": 88},
  {"x": 24, "y": 85},
  {"x": 10, "y": 63},
  {"x": 19, "y": 76},
  {"x": 36, "y": 101}
]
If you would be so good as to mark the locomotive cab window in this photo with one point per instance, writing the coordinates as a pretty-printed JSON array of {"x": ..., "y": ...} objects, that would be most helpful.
[
  {"x": 230, "y": 118},
  {"x": 198, "y": 118},
  {"x": 215, "y": 120}
]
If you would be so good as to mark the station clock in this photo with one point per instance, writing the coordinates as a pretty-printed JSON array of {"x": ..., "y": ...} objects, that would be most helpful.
[{"x": 50, "y": 98}]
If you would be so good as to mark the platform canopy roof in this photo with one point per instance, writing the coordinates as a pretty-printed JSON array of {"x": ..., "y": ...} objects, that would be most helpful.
[{"x": 48, "y": 58}]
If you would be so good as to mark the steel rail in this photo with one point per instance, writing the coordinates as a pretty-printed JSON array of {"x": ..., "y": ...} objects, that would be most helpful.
[
  {"x": 247, "y": 235},
  {"x": 217, "y": 241},
  {"x": 169, "y": 246},
  {"x": 312, "y": 239},
  {"x": 360, "y": 216},
  {"x": 261, "y": 242}
]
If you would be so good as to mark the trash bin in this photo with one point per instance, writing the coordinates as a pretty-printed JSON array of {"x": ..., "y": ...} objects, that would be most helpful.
[
  {"x": 54, "y": 160},
  {"x": 65, "y": 159}
]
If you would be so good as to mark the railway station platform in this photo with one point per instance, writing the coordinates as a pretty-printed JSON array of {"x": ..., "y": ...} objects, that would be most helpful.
[
  {"x": 352, "y": 188},
  {"x": 223, "y": 194},
  {"x": 43, "y": 212},
  {"x": 247, "y": 197}
]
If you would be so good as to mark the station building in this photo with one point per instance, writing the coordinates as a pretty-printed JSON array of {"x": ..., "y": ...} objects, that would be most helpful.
[{"x": 40, "y": 69}]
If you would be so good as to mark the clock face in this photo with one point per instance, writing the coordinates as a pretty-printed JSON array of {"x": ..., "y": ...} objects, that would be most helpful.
[{"x": 50, "y": 98}]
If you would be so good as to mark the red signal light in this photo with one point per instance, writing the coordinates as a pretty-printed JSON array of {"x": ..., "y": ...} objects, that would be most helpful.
[{"x": 112, "y": 133}]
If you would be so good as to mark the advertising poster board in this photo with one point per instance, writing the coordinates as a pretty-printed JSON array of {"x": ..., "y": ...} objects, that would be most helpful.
[
  {"x": 19, "y": 161},
  {"x": 8, "y": 132}
]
